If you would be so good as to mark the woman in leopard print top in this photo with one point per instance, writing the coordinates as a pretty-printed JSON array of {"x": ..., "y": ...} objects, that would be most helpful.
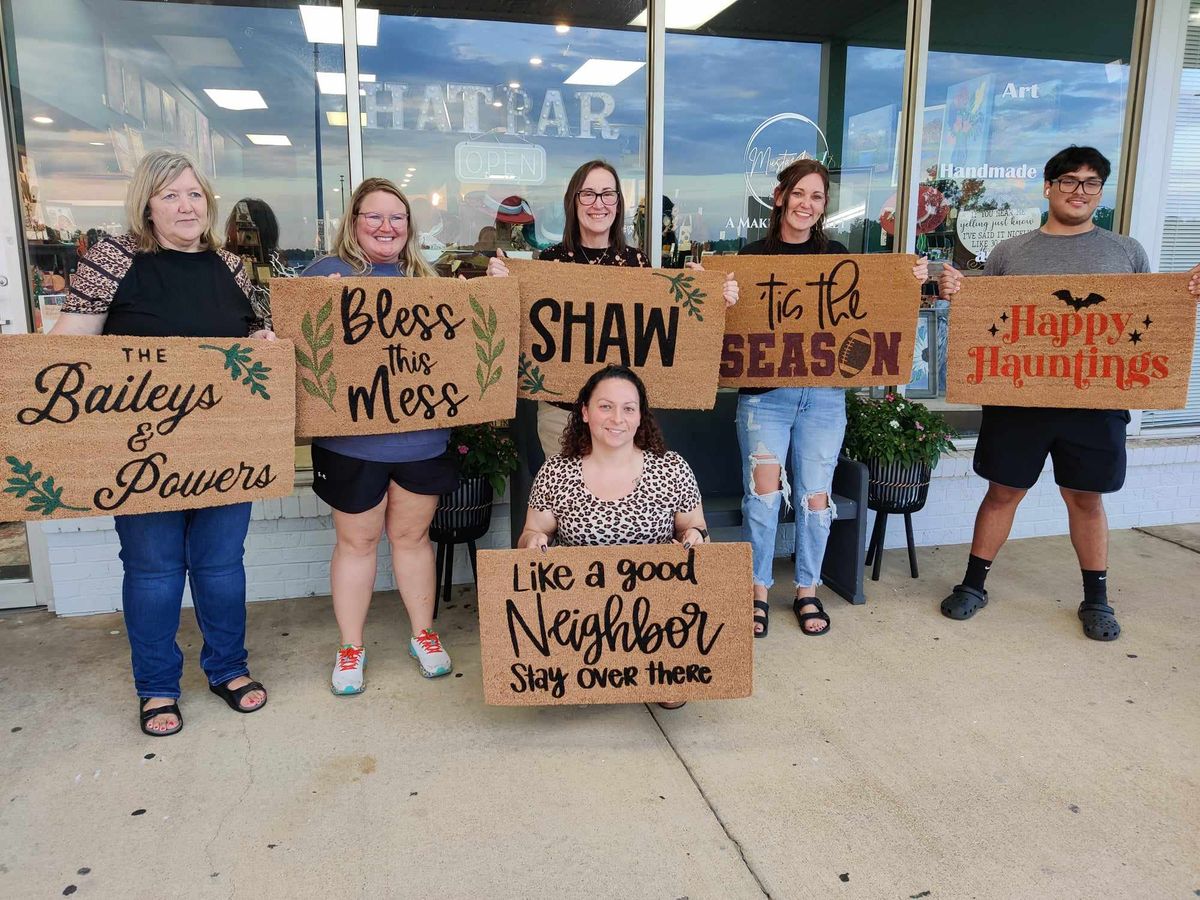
[{"x": 615, "y": 482}]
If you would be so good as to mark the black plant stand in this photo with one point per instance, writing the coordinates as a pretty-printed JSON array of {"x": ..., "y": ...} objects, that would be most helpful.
[
  {"x": 894, "y": 488},
  {"x": 462, "y": 517}
]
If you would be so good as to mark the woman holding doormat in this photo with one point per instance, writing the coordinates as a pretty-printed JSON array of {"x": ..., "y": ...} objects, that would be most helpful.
[
  {"x": 594, "y": 235},
  {"x": 382, "y": 482},
  {"x": 168, "y": 277},
  {"x": 810, "y": 421},
  {"x": 615, "y": 482}
]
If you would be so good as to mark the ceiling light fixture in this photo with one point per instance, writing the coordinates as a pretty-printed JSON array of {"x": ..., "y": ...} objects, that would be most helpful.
[
  {"x": 535, "y": 60},
  {"x": 323, "y": 25},
  {"x": 236, "y": 99},
  {"x": 338, "y": 118},
  {"x": 43, "y": 120},
  {"x": 270, "y": 140},
  {"x": 96, "y": 143},
  {"x": 514, "y": 85},
  {"x": 562, "y": 29},
  {"x": 685, "y": 15},
  {"x": 605, "y": 72}
]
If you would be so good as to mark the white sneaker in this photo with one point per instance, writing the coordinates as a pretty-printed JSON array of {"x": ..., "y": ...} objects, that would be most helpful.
[
  {"x": 426, "y": 649},
  {"x": 348, "y": 670}
]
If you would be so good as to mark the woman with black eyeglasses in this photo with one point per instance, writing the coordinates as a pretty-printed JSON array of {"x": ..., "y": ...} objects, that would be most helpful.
[{"x": 593, "y": 234}]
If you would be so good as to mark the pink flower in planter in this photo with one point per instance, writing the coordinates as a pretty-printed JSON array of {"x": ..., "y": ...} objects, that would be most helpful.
[{"x": 462, "y": 448}]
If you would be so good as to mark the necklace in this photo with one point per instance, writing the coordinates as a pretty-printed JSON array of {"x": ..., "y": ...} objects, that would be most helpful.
[{"x": 588, "y": 259}]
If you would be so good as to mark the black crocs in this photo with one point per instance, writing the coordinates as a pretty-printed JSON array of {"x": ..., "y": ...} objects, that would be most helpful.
[
  {"x": 963, "y": 602},
  {"x": 1098, "y": 620}
]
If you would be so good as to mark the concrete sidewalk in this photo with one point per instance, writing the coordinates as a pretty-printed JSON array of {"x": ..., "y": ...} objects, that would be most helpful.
[{"x": 902, "y": 755}]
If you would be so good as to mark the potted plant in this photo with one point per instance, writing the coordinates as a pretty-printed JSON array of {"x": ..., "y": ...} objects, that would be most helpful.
[
  {"x": 487, "y": 456},
  {"x": 900, "y": 441}
]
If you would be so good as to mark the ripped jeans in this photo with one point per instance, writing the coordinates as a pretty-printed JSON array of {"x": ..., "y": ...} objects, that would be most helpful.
[{"x": 811, "y": 422}]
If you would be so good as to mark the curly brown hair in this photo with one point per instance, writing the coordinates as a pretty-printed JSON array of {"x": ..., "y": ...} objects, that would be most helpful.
[{"x": 577, "y": 437}]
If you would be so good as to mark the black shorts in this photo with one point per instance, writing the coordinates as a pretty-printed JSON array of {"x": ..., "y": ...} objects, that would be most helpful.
[
  {"x": 353, "y": 485},
  {"x": 1086, "y": 445}
]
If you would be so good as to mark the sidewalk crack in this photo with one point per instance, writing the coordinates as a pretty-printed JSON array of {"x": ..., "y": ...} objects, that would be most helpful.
[
  {"x": 707, "y": 802},
  {"x": 1167, "y": 539}
]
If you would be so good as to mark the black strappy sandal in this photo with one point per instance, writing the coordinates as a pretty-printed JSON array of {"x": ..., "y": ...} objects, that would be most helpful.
[
  {"x": 145, "y": 715},
  {"x": 233, "y": 696},
  {"x": 762, "y": 616},
  {"x": 801, "y": 602}
]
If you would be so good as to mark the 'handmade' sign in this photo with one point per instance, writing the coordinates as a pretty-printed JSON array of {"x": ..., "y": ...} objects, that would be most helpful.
[
  {"x": 623, "y": 624},
  {"x": 820, "y": 321},
  {"x": 1081, "y": 341},
  {"x": 93, "y": 426},
  {"x": 665, "y": 324},
  {"x": 379, "y": 355}
]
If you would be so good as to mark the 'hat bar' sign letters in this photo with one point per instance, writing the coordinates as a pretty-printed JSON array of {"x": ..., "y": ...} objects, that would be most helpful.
[
  {"x": 1076, "y": 341},
  {"x": 380, "y": 355},
  {"x": 821, "y": 320},
  {"x": 665, "y": 324},
  {"x": 93, "y": 426},
  {"x": 616, "y": 624}
]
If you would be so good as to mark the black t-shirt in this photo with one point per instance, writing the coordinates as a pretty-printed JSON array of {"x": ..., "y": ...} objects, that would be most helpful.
[
  {"x": 609, "y": 256},
  {"x": 175, "y": 294},
  {"x": 759, "y": 248}
]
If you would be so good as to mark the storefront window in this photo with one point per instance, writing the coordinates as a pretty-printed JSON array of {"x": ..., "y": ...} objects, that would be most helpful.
[
  {"x": 740, "y": 106},
  {"x": 484, "y": 132},
  {"x": 1001, "y": 98},
  {"x": 98, "y": 83}
]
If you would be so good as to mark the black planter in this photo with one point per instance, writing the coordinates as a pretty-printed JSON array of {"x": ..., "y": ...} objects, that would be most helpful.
[
  {"x": 897, "y": 487},
  {"x": 464, "y": 514}
]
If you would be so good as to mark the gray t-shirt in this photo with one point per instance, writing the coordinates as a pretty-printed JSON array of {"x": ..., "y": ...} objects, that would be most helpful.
[{"x": 1095, "y": 252}]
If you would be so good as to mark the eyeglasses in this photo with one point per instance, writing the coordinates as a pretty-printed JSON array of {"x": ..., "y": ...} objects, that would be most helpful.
[
  {"x": 587, "y": 197},
  {"x": 1091, "y": 186},
  {"x": 375, "y": 220}
]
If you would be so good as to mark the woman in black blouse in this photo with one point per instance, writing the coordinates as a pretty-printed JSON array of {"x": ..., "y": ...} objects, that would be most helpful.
[{"x": 168, "y": 277}]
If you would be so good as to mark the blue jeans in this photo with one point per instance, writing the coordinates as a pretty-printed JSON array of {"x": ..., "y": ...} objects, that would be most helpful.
[
  {"x": 158, "y": 550},
  {"x": 811, "y": 422}
]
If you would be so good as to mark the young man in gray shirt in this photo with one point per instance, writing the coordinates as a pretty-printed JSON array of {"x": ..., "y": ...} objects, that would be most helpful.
[{"x": 1087, "y": 446}]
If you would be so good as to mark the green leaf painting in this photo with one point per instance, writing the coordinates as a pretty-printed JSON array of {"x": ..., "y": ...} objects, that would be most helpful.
[
  {"x": 487, "y": 348},
  {"x": 321, "y": 382},
  {"x": 241, "y": 365},
  {"x": 684, "y": 290},
  {"x": 531, "y": 379},
  {"x": 44, "y": 498}
]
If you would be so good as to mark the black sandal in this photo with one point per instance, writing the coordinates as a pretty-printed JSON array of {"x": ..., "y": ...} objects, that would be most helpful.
[
  {"x": 801, "y": 602},
  {"x": 1099, "y": 623},
  {"x": 145, "y": 715},
  {"x": 233, "y": 696},
  {"x": 764, "y": 619},
  {"x": 963, "y": 602}
]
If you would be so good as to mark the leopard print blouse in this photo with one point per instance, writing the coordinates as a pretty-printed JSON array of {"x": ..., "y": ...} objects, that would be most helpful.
[{"x": 646, "y": 515}]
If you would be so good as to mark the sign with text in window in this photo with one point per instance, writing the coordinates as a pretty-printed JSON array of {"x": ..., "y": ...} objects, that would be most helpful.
[
  {"x": 1076, "y": 341},
  {"x": 631, "y": 623},
  {"x": 821, "y": 320},
  {"x": 113, "y": 425},
  {"x": 505, "y": 163},
  {"x": 666, "y": 324},
  {"x": 381, "y": 355}
]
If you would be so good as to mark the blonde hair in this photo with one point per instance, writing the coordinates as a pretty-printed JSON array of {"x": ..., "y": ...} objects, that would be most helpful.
[
  {"x": 347, "y": 248},
  {"x": 155, "y": 171}
]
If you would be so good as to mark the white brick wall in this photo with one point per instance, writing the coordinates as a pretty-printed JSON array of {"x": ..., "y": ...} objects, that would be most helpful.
[
  {"x": 290, "y": 540},
  {"x": 288, "y": 548}
]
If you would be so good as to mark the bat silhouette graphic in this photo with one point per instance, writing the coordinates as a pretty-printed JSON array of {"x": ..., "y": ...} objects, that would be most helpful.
[{"x": 1078, "y": 303}]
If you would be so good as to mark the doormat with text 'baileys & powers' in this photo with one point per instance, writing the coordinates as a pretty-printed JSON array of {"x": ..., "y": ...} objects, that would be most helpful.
[
  {"x": 617, "y": 624},
  {"x": 665, "y": 324},
  {"x": 380, "y": 355},
  {"x": 93, "y": 426},
  {"x": 1077, "y": 341},
  {"x": 821, "y": 320}
]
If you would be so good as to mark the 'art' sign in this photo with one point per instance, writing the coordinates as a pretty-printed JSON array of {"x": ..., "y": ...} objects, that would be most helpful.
[
  {"x": 93, "y": 426},
  {"x": 820, "y": 320},
  {"x": 1080, "y": 341},
  {"x": 379, "y": 355},
  {"x": 623, "y": 624},
  {"x": 664, "y": 323}
]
